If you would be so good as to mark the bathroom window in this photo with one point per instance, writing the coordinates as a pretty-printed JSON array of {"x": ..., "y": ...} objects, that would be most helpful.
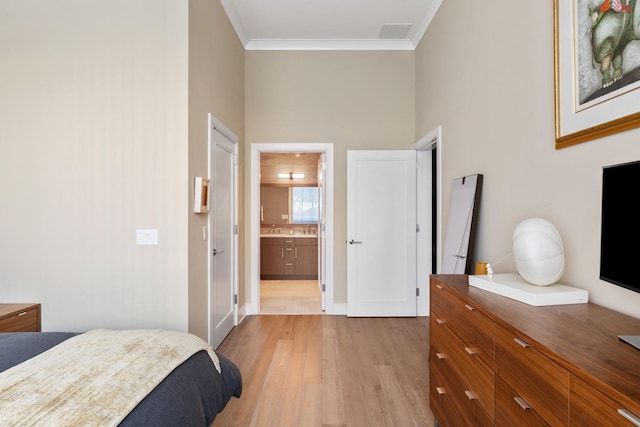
[{"x": 304, "y": 205}]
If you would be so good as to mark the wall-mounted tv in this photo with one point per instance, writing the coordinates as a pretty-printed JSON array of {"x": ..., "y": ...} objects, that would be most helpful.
[{"x": 620, "y": 227}]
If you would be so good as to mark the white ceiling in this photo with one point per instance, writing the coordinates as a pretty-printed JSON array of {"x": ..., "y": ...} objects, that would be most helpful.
[{"x": 330, "y": 24}]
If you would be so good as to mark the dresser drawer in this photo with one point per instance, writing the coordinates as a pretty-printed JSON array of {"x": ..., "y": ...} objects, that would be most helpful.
[
  {"x": 534, "y": 377},
  {"x": 443, "y": 303},
  {"x": 445, "y": 393},
  {"x": 476, "y": 376},
  {"x": 477, "y": 331},
  {"x": 589, "y": 406},
  {"x": 22, "y": 320},
  {"x": 450, "y": 401},
  {"x": 465, "y": 320},
  {"x": 512, "y": 410}
]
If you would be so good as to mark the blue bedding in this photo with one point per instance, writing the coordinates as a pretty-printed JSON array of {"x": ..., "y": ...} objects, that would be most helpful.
[{"x": 192, "y": 395}]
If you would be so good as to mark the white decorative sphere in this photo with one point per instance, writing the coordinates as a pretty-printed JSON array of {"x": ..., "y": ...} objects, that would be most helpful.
[{"x": 538, "y": 252}]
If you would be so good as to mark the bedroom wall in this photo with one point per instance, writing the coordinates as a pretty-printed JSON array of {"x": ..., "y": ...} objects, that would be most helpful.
[
  {"x": 355, "y": 100},
  {"x": 487, "y": 78},
  {"x": 93, "y": 100},
  {"x": 216, "y": 85}
]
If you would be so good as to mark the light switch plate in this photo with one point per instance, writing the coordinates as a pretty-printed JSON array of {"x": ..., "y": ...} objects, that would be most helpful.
[{"x": 147, "y": 237}]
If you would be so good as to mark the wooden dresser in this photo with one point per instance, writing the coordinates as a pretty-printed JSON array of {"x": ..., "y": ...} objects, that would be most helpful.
[
  {"x": 19, "y": 317},
  {"x": 496, "y": 361}
]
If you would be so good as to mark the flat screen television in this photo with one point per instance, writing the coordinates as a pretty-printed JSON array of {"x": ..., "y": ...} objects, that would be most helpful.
[{"x": 620, "y": 227}]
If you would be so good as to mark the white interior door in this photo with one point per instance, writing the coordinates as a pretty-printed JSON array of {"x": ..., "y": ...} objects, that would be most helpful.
[
  {"x": 381, "y": 233},
  {"x": 222, "y": 239}
]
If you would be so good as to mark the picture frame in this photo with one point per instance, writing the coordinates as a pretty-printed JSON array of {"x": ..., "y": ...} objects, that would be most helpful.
[
  {"x": 597, "y": 91},
  {"x": 201, "y": 195}
]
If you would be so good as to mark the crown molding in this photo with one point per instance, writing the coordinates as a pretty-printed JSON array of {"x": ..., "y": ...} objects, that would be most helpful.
[{"x": 329, "y": 44}]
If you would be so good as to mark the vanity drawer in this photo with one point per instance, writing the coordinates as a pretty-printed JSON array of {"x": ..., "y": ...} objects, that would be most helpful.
[
  {"x": 19, "y": 317},
  {"x": 271, "y": 241},
  {"x": 589, "y": 406},
  {"x": 534, "y": 377}
]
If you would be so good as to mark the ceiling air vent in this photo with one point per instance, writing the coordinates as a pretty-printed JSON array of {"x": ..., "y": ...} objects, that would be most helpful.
[{"x": 394, "y": 31}]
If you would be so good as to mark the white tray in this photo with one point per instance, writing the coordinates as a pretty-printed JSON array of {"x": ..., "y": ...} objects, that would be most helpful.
[{"x": 515, "y": 287}]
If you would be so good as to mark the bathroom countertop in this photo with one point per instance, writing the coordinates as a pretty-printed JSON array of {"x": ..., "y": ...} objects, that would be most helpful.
[{"x": 294, "y": 235}]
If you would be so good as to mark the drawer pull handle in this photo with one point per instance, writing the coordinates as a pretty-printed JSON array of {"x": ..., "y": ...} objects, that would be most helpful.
[
  {"x": 468, "y": 307},
  {"x": 440, "y": 321},
  {"x": 439, "y": 286},
  {"x": 630, "y": 416},
  {"x": 22, "y": 314},
  {"x": 521, "y": 343},
  {"x": 523, "y": 403},
  {"x": 470, "y": 351},
  {"x": 470, "y": 395},
  {"x": 440, "y": 390},
  {"x": 440, "y": 356}
]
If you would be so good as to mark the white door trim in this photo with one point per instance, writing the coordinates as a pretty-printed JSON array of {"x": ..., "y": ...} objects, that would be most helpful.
[{"x": 253, "y": 307}]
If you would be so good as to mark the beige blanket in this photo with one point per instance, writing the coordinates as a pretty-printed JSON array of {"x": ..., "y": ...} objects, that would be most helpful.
[{"x": 93, "y": 379}]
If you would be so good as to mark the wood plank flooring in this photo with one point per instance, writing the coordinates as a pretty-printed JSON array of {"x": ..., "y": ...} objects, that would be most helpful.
[
  {"x": 290, "y": 297},
  {"x": 329, "y": 371}
]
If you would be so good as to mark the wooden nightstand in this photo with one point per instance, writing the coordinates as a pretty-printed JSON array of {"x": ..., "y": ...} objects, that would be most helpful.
[{"x": 19, "y": 317}]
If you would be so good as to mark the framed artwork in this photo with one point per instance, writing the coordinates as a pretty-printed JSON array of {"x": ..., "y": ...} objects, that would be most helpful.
[{"x": 597, "y": 68}]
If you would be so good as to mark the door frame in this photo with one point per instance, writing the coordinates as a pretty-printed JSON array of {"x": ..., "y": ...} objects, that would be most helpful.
[
  {"x": 256, "y": 148},
  {"x": 216, "y": 125},
  {"x": 424, "y": 148}
]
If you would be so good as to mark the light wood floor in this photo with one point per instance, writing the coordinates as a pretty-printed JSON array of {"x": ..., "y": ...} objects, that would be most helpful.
[
  {"x": 290, "y": 297},
  {"x": 329, "y": 371}
]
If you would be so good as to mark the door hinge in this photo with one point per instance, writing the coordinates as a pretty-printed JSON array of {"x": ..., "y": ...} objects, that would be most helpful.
[
  {"x": 235, "y": 229},
  {"x": 417, "y": 292},
  {"x": 235, "y": 160},
  {"x": 324, "y": 287},
  {"x": 417, "y": 228},
  {"x": 235, "y": 299}
]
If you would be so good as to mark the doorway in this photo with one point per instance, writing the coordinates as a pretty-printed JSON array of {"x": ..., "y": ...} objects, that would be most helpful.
[{"x": 322, "y": 231}]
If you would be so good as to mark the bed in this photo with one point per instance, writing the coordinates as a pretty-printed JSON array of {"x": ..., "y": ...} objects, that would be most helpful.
[{"x": 191, "y": 394}]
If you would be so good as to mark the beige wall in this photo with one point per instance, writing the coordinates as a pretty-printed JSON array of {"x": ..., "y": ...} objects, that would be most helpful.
[
  {"x": 355, "y": 100},
  {"x": 487, "y": 78},
  {"x": 216, "y": 85},
  {"x": 104, "y": 125},
  {"x": 94, "y": 146}
]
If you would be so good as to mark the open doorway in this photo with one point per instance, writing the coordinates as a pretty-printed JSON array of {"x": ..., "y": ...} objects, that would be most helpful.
[
  {"x": 290, "y": 217},
  {"x": 314, "y": 236}
]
